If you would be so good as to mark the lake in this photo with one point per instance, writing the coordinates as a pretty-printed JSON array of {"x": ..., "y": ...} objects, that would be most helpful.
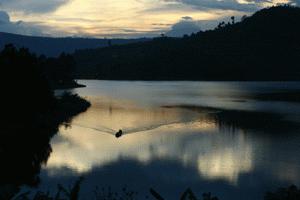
[{"x": 208, "y": 136}]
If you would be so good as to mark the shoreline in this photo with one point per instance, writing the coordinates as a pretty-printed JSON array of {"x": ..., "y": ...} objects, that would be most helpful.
[
  {"x": 67, "y": 86},
  {"x": 34, "y": 149}
]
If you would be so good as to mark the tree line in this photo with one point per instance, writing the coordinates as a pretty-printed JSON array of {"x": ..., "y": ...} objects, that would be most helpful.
[
  {"x": 264, "y": 46},
  {"x": 31, "y": 113}
]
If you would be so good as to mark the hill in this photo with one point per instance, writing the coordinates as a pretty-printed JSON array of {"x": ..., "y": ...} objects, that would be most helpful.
[
  {"x": 55, "y": 46},
  {"x": 264, "y": 46},
  {"x": 33, "y": 115}
]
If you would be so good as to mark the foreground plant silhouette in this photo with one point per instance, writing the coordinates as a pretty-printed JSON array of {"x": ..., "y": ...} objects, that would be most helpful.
[
  {"x": 290, "y": 193},
  {"x": 187, "y": 195},
  {"x": 106, "y": 193},
  {"x": 62, "y": 193}
]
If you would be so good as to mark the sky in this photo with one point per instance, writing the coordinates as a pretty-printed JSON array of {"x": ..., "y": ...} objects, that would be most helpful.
[{"x": 121, "y": 18}]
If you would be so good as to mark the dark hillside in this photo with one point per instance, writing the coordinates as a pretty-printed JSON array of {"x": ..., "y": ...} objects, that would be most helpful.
[
  {"x": 55, "y": 46},
  {"x": 264, "y": 46}
]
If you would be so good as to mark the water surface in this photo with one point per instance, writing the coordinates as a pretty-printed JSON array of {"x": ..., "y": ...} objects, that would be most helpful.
[{"x": 204, "y": 135}]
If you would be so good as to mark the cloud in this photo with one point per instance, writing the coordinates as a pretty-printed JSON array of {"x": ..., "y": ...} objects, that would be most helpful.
[
  {"x": 18, "y": 27},
  {"x": 187, "y": 18},
  {"x": 140, "y": 18},
  {"x": 40, "y": 29},
  {"x": 32, "y": 6},
  {"x": 238, "y": 5},
  {"x": 4, "y": 17},
  {"x": 188, "y": 25},
  {"x": 185, "y": 26}
]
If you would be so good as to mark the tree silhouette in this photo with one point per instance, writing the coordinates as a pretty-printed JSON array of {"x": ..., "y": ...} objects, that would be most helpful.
[{"x": 263, "y": 46}]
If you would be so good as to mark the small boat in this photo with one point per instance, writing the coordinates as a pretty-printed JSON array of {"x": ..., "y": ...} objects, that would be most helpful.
[{"x": 119, "y": 133}]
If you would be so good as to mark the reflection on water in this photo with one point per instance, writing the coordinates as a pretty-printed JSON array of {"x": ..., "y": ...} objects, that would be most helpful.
[
  {"x": 179, "y": 142},
  {"x": 227, "y": 162},
  {"x": 174, "y": 147}
]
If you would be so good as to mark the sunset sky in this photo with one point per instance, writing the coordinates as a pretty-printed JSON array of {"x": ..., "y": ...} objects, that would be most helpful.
[{"x": 120, "y": 18}]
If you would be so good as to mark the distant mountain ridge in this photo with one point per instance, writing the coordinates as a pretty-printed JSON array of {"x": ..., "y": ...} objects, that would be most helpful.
[
  {"x": 54, "y": 46},
  {"x": 264, "y": 46}
]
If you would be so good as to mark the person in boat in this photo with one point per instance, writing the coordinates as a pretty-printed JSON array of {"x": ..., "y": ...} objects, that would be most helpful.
[{"x": 119, "y": 133}]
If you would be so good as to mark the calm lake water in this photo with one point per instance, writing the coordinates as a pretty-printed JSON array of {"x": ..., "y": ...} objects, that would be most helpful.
[{"x": 179, "y": 135}]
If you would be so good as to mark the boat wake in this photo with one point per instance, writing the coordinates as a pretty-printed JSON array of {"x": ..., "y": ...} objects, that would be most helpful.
[{"x": 125, "y": 131}]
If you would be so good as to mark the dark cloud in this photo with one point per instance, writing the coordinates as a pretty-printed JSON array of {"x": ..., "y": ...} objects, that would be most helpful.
[
  {"x": 296, "y": 2},
  {"x": 187, "y": 18},
  {"x": 185, "y": 26},
  {"x": 4, "y": 17},
  {"x": 188, "y": 25},
  {"x": 18, "y": 27},
  {"x": 32, "y": 6},
  {"x": 161, "y": 24},
  {"x": 247, "y": 6}
]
